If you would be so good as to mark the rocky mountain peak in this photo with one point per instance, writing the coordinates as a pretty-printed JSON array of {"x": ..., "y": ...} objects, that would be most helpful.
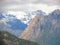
[
  {"x": 33, "y": 30},
  {"x": 44, "y": 29},
  {"x": 55, "y": 14}
]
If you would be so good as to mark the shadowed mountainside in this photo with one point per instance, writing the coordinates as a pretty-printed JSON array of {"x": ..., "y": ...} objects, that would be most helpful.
[{"x": 8, "y": 39}]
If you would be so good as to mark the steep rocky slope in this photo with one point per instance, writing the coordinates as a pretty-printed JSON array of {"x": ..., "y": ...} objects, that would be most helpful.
[
  {"x": 33, "y": 30},
  {"x": 44, "y": 29}
]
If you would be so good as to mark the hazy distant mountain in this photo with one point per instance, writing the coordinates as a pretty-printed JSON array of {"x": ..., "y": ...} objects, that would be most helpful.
[
  {"x": 44, "y": 29},
  {"x": 11, "y": 24}
]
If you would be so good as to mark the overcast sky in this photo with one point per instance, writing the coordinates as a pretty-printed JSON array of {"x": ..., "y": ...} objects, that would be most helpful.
[
  {"x": 55, "y": 2},
  {"x": 30, "y": 5}
]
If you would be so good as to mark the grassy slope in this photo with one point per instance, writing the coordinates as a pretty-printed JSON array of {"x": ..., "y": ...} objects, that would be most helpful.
[{"x": 9, "y": 39}]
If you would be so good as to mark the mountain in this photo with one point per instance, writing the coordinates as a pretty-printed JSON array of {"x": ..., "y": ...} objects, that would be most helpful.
[
  {"x": 9, "y": 39},
  {"x": 30, "y": 15},
  {"x": 56, "y": 14},
  {"x": 11, "y": 24},
  {"x": 38, "y": 12},
  {"x": 33, "y": 28},
  {"x": 1, "y": 16},
  {"x": 44, "y": 30}
]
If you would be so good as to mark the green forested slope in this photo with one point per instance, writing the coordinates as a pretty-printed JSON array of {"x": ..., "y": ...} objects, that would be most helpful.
[{"x": 9, "y": 39}]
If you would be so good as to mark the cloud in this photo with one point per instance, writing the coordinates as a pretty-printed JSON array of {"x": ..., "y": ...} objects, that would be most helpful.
[
  {"x": 31, "y": 5},
  {"x": 22, "y": 8},
  {"x": 50, "y": 2},
  {"x": 18, "y": 14}
]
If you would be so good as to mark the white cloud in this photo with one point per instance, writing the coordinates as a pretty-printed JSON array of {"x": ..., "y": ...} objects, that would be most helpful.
[
  {"x": 44, "y": 7},
  {"x": 49, "y": 2},
  {"x": 21, "y": 16},
  {"x": 18, "y": 14},
  {"x": 31, "y": 7},
  {"x": 57, "y": 2}
]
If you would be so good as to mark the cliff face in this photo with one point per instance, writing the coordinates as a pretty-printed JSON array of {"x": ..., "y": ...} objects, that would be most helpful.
[
  {"x": 33, "y": 30},
  {"x": 44, "y": 29}
]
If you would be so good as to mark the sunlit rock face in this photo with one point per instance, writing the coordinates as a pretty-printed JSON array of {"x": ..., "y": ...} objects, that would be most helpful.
[
  {"x": 44, "y": 29},
  {"x": 33, "y": 28}
]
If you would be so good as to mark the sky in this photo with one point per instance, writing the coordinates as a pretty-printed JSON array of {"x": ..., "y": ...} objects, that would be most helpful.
[{"x": 20, "y": 7}]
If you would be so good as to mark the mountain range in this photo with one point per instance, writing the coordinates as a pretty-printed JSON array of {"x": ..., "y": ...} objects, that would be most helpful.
[
  {"x": 44, "y": 30},
  {"x": 12, "y": 24}
]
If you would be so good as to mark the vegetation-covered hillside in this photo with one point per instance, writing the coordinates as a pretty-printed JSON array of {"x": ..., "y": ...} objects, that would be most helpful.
[{"x": 9, "y": 39}]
